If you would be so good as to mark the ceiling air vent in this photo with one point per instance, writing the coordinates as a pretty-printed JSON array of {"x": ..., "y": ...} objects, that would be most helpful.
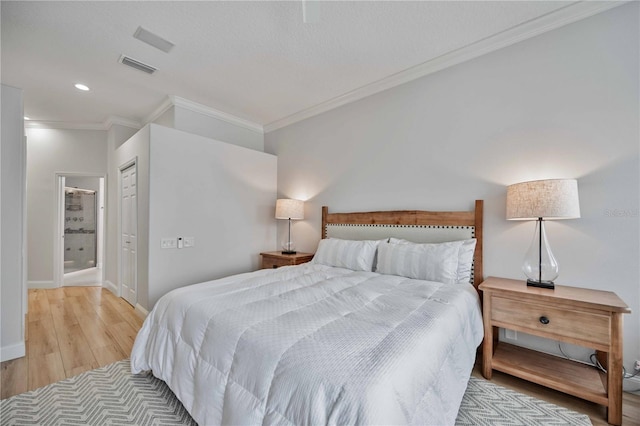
[
  {"x": 153, "y": 40},
  {"x": 137, "y": 64}
]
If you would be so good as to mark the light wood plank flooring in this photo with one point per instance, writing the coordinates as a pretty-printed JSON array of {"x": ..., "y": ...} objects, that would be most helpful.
[
  {"x": 75, "y": 329},
  {"x": 70, "y": 330}
]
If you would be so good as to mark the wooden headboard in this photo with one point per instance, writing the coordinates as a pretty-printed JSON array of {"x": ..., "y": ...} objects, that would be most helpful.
[{"x": 441, "y": 225}]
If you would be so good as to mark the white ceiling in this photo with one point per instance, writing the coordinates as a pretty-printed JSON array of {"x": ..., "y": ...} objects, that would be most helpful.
[{"x": 254, "y": 60}]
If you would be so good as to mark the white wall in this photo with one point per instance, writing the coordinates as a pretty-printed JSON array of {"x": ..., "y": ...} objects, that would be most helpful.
[
  {"x": 83, "y": 182},
  {"x": 211, "y": 127},
  {"x": 219, "y": 193},
  {"x": 175, "y": 117},
  {"x": 51, "y": 151},
  {"x": 195, "y": 121},
  {"x": 564, "y": 104},
  {"x": 12, "y": 285},
  {"x": 192, "y": 186}
]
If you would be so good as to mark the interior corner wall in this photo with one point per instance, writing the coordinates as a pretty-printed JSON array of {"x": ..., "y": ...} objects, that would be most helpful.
[
  {"x": 12, "y": 256},
  {"x": 167, "y": 118},
  {"x": 214, "y": 128},
  {"x": 563, "y": 104},
  {"x": 51, "y": 151}
]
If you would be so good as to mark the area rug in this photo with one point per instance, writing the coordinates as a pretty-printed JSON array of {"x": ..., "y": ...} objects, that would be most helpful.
[{"x": 111, "y": 395}]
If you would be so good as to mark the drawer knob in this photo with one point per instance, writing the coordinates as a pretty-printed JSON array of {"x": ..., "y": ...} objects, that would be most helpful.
[{"x": 544, "y": 320}]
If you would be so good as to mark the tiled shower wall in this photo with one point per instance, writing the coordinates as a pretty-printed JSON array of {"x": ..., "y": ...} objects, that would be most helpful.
[{"x": 79, "y": 230}]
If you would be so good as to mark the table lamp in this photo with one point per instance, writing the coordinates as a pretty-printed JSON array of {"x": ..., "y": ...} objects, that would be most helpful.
[
  {"x": 542, "y": 200},
  {"x": 291, "y": 210}
]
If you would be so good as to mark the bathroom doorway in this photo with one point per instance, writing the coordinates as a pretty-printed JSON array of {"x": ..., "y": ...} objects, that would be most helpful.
[{"x": 80, "y": 228}]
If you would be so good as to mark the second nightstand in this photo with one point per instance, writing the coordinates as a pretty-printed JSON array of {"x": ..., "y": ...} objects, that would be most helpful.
[
  {"x": 589, "y": 318},
  {"x": 275, "y": 259}
]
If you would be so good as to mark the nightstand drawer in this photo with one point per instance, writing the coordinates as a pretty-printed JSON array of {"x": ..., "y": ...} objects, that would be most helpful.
[
  {"x": 272, "y": 262},
  {"x": 276, "y": 259},
  {"x": 586, "y": 328}
]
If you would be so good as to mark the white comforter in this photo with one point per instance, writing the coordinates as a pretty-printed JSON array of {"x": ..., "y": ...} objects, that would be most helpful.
[{"x": 312, "y": 344}]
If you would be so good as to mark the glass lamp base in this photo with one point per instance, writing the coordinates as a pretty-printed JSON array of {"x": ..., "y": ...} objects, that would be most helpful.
[
  {"x": 540, "y": 266},
  {"x": 288, "y": 248},
  {"x": 542, "y": 284}
]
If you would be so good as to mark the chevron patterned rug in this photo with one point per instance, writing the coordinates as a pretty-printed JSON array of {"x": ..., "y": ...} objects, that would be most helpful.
[{"x": 111, "y": 395}]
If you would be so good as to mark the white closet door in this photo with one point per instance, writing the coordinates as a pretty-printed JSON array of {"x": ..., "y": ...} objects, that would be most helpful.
[{"x": 128, "y": 237}]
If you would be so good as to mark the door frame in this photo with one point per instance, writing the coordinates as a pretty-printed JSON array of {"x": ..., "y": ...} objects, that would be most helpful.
[
  {"x": 132, "y": 162},
  {"x": 58, "y": 240}
]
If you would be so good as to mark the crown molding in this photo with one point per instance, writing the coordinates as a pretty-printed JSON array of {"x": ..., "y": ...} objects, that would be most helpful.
[
  {"x": 105, "y": 125},
  {"x": 529, "y": 29},
  {"x": 121, "y": 121},
  {"x": 34, "y": 124},
  {"x": 214, "y": 113},
  {"x": 553, "y": 20},
  {"x": 170, "y": 101}
]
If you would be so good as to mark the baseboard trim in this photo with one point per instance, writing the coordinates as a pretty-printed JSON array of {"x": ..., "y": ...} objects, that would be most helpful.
[
  {"x": 41, "y": 284},
  {"x": 111, "y": 287},
  {"x": 631, "y": 385},
  {"x": 17, "y": 350},
  {"x": 83, "y": 285},
  {"x": 142, "y": 310}
]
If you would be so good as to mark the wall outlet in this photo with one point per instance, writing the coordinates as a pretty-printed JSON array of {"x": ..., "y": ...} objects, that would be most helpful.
[
  {"x": 168, "y": 243},
  {"x": 637, "y": 366},
  {"x": 511, "y": 334},
  {"x": 189, "y": 242}
]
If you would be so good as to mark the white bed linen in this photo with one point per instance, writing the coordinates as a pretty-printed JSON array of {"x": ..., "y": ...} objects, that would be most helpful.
[{"x": 313, "y": 344}]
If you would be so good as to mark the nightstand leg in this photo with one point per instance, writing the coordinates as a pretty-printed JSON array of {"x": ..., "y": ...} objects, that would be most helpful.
[
  {"x": 614, "y": 371},
  {"x": 487, "y": 345}
]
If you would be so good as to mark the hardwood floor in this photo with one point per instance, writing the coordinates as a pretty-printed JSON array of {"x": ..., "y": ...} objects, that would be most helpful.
[
  {"x": 70, "y": 330},
  {"x": 74, "y": 329}
]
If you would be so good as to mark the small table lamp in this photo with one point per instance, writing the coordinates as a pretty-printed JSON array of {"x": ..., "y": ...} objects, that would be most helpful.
[
  {"x": 539, "y": 200},
  {"x": 291, "y": 210}
]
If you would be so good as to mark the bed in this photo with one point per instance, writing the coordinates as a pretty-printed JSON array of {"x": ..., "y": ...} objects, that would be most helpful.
[{"x": 368, "y": 332}]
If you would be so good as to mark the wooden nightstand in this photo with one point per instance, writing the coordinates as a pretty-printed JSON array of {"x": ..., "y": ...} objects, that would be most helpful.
[
  {"x": 275, "y": 259},
  {"x": 589, "y": 318}
]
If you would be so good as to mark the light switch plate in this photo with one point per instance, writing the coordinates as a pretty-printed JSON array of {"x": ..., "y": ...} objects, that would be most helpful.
[{"x": 168, "y": 243}]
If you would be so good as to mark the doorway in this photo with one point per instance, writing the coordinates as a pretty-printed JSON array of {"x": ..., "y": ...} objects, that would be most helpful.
[{"x": 80, "y": 242}]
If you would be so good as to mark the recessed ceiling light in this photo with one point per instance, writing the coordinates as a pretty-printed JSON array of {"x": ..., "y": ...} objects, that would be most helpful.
[
  {"x": 26, "y": 118},
  {"x": 81, "y": 86}
]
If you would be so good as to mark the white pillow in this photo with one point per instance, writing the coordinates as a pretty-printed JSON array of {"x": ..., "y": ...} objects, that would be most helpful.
[
  {"x": 349, "y": 254},
  {"x": 465, "y": 257},
  {"x": 432, "y": 262},
  {"x": 393, "y": 240}
]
